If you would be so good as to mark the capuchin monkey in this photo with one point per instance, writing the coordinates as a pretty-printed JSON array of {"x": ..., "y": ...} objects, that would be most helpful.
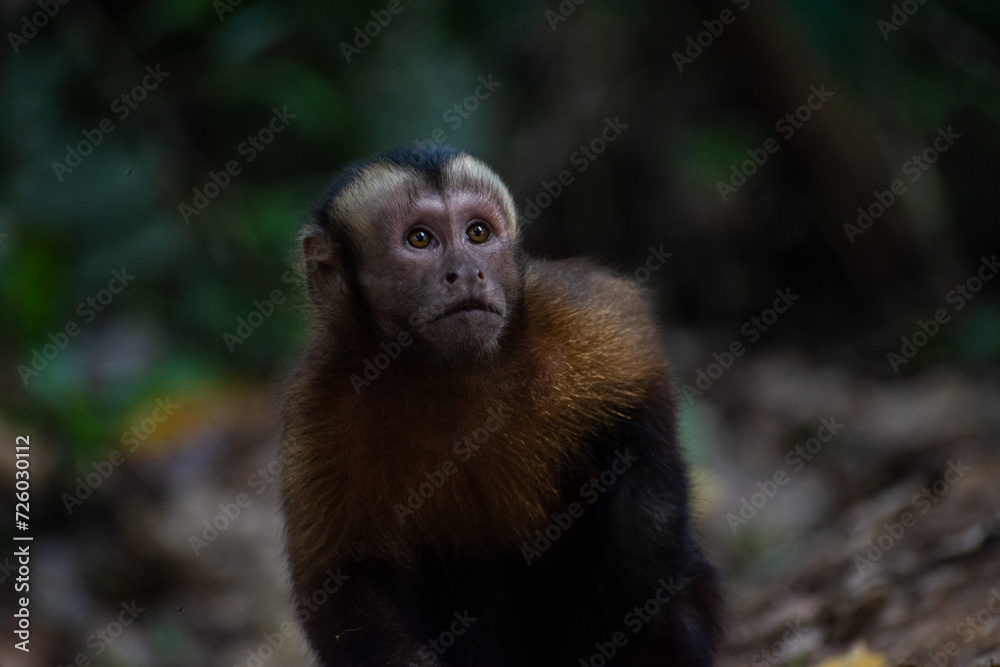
[{"x": 481, "y": 459}]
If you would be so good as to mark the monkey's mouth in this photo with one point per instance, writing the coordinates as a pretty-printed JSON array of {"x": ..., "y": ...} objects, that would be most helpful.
[{"x": 468, "y": 306}]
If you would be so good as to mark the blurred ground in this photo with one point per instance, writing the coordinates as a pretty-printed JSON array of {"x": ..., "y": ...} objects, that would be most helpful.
[
  {"x": 889, "y": 535},
  {"x": 187, "y": 530},
  {"x": 887, "y": 532}
]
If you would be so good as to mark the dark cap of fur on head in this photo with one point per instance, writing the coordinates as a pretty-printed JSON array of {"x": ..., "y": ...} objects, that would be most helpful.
[{"x": 428, "y": 161}]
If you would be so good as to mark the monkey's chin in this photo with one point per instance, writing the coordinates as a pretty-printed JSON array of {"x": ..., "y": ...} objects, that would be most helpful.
[{"x": 465, "y": 336}]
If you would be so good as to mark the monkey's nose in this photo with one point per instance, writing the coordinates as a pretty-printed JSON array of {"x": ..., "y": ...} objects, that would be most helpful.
[{"x": 474, "y": 275}]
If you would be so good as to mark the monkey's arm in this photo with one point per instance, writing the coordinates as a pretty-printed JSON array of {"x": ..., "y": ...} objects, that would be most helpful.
[
  {"x": 650, "y": 551},
  {"x": 372, "y": 621}
]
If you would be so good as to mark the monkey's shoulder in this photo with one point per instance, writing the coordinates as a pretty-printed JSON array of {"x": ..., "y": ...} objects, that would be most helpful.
[
  {"x": 596, "y": 327},
  {"x": 580, "y": 280}
]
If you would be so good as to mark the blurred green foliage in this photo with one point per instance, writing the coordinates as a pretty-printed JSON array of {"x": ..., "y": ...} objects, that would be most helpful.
[{"x": 231, "y": 65}]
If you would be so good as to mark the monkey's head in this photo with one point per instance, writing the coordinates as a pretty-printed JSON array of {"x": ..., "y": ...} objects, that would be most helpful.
[{"x": 417, "y": 240}]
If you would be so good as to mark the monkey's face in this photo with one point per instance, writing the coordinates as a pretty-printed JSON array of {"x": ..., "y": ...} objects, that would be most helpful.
[
  {"x": 445, "y": 270},
  {"x": 419, "y": 241}
]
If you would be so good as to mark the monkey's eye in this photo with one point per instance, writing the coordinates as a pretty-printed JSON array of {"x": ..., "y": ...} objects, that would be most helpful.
[
  {"x": 478, "y": 232},
  {"x": 418, "y": 238}
]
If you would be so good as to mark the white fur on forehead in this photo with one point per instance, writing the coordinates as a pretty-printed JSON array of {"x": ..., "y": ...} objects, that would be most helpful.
[
  {"x": 384, "y": 191},
  {"x": 467, "y": 173},
  {"x": 380, "y": 190}
]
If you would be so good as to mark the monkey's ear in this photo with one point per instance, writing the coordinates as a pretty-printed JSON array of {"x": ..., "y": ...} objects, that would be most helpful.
[{"x": 322, "y": 267}]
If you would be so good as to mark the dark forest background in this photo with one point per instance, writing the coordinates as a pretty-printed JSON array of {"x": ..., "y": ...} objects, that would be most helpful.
[{"x": 845, "y": 152}]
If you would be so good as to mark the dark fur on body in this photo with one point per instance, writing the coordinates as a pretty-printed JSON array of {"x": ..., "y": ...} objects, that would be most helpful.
[{"x": 578, "y": 378}]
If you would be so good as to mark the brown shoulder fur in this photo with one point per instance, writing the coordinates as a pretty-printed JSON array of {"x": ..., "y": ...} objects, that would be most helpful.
[{"x": 589, "y": 351}]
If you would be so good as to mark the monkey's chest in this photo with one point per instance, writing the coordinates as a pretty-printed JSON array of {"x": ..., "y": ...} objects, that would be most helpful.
[{"x": 490, "y": 488}]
